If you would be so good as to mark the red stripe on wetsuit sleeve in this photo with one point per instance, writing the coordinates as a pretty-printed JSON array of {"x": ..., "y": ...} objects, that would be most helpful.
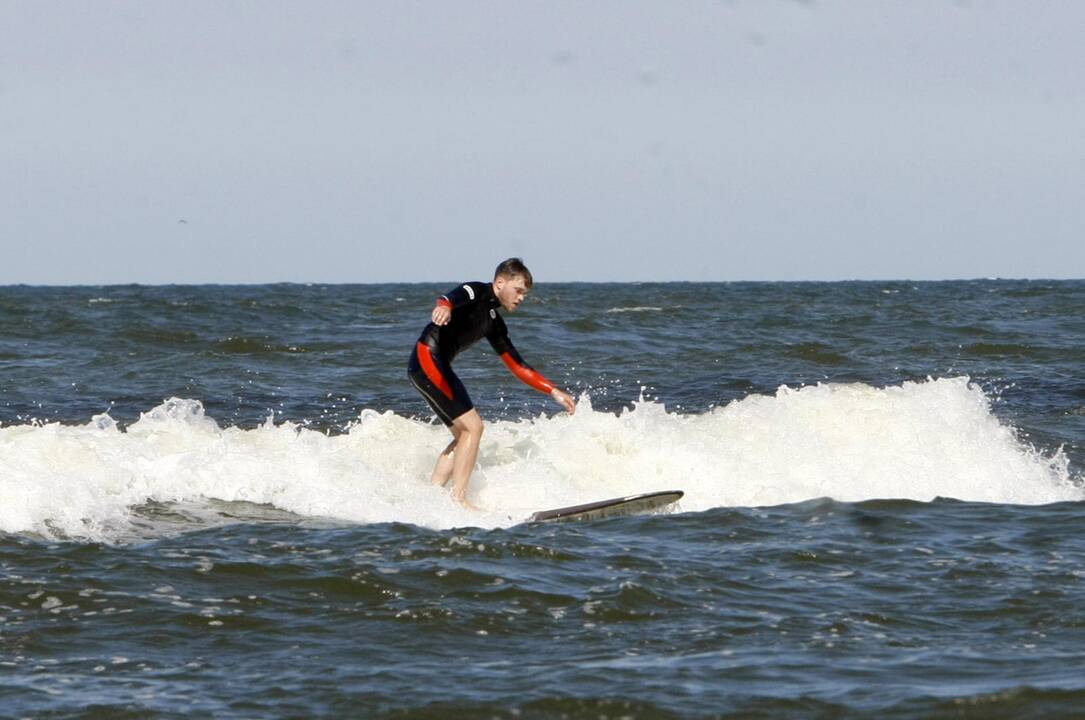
[
  {"x": 527, "y": 375},
  {"x": 444, "y": 302},
  {"x": 429, "y": 367}
]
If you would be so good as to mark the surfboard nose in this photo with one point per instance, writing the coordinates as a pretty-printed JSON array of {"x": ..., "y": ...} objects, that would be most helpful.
[{"x": 615, "y": 507}]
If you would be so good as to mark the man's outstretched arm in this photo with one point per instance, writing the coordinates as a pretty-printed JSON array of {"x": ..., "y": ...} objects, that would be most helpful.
[{"x": 532, "y": 377}]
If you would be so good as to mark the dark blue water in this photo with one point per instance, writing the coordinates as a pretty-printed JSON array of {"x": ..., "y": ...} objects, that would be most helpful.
[{"x": 883, "y": 510}]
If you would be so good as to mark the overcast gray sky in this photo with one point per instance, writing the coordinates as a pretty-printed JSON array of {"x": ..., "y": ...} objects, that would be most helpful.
[{"x": 178, "y": 142}]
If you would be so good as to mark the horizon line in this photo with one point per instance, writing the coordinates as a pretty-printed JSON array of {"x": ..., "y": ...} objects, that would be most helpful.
[{"x": 308, "y": 283}]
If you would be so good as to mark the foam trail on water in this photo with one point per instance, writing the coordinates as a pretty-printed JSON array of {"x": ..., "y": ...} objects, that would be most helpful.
[{"x": 849, "y": 442}]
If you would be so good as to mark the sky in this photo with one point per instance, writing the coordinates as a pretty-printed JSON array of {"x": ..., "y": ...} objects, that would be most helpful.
[{"x": 247, "y": 142}]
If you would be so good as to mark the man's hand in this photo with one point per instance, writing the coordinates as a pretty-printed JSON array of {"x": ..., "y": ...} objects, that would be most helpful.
[
  {"x": 441, "y": 315},
  {"x": 565, "y": 399}
]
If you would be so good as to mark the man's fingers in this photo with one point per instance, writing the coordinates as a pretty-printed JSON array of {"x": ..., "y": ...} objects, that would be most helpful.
[{"x": 566, "y": 402}]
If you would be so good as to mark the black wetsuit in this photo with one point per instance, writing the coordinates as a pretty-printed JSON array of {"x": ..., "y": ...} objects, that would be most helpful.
[{"x": 475, "y": 315}]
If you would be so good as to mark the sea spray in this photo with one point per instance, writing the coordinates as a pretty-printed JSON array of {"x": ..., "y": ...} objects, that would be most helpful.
[{"x": 849, "y": 442}]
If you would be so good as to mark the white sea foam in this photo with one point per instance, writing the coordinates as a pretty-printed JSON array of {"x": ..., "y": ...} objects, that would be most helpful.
[
  {"x": 642, "y": 308},
  {"x": 848, "y": 442}
]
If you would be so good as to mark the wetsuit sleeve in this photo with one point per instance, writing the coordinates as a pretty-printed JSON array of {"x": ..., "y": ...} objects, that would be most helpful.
[
  {"x": 461, "y": 295},
  {"x": 499, "y": 339}
]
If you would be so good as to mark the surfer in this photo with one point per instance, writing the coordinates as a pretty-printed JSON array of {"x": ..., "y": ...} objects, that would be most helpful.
[{"x": 461, "y": 318}]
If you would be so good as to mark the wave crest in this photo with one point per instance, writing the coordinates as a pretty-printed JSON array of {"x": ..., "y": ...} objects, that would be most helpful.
[{"x": 916, "y": 441}]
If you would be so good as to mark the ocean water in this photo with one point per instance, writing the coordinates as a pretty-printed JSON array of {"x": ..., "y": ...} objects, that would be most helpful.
[{"x": 214, "y": 501}]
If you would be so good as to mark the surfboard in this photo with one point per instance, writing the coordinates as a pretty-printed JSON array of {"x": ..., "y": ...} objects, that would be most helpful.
[{"x": 631, "y": 505}]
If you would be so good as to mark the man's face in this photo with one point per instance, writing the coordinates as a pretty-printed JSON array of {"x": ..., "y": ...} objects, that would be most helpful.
[{"x": 510, "y": 291}]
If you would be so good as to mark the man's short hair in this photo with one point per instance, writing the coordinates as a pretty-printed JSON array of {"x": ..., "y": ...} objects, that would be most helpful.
[{"x": 512, "y": 267}]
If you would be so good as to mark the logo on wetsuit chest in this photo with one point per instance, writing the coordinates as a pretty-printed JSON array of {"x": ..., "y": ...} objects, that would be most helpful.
[{"x": 493, "y": 314}]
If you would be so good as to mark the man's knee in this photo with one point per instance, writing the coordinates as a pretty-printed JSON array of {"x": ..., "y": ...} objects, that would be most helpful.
[{"x": 469, "y": 423}]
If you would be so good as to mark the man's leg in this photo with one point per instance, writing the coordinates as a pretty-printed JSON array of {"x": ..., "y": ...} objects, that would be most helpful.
[
  {"x": 467, "y": 429},
  {"x": 443, "y": 469}
]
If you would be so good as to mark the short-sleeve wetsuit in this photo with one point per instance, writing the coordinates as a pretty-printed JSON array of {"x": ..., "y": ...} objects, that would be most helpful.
[{"x": 475, "y": 315}]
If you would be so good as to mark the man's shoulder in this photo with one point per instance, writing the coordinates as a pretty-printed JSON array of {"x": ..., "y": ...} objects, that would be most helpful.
[
  {"x": 468, "y": 292},
  {"x": 476, "y": 289}
]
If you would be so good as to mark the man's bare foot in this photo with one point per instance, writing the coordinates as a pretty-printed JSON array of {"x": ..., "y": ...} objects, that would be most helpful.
[{"x": 462, "y": 500}]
